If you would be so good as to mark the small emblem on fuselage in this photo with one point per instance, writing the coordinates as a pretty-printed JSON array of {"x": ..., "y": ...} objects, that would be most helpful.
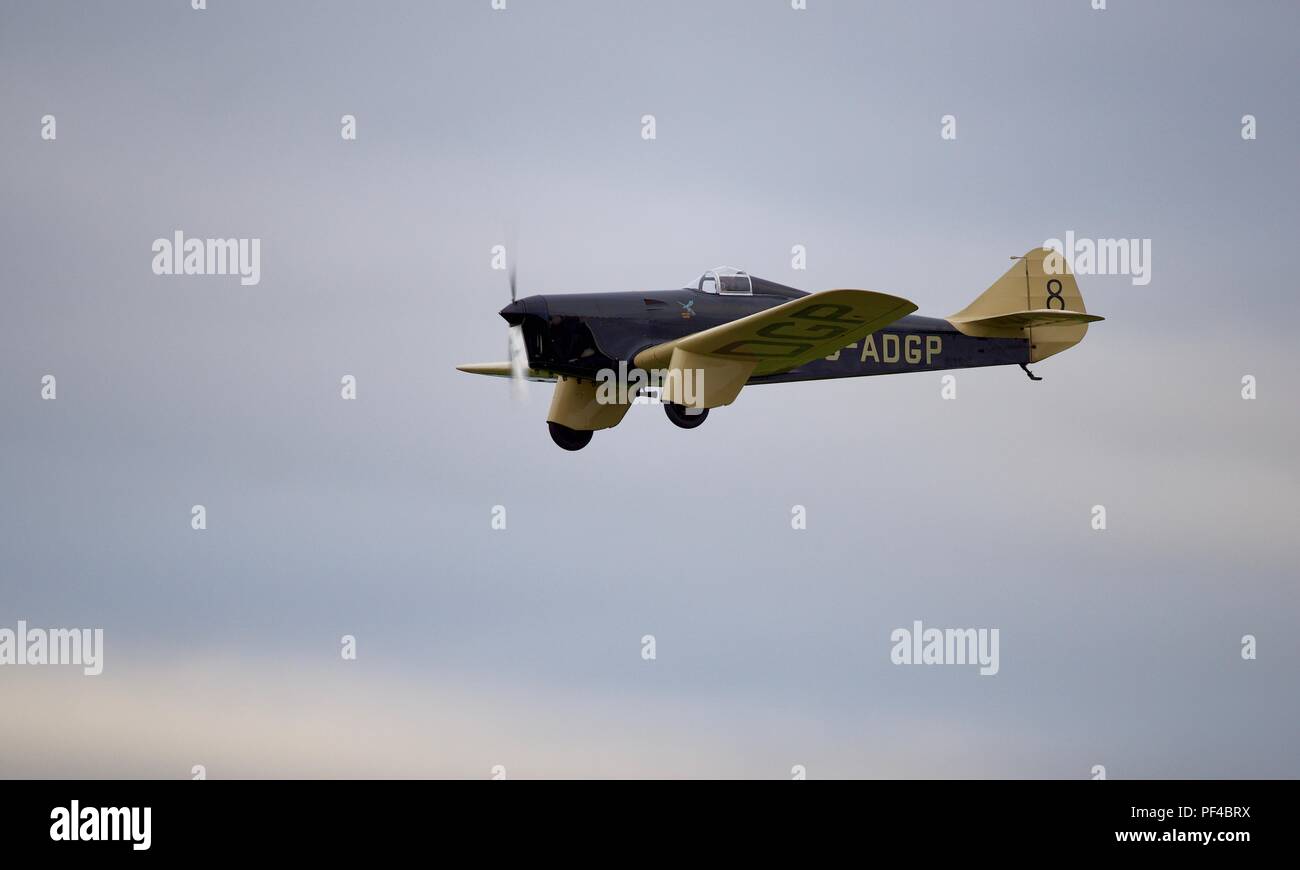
[{"x": 688, "y": 309}]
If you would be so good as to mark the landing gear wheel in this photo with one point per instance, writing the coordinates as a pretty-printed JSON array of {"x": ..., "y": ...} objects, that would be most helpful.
[
  {"x": 569, "y": 439},
  {"x": 687, "y": 418}
]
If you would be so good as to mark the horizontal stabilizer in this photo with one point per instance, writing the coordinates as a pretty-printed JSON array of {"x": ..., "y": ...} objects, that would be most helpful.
[{"x": 1028, "y": 319}]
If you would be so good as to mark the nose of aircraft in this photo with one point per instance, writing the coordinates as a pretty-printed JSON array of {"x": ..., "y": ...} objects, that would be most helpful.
[{"x": 515, "y": 312}]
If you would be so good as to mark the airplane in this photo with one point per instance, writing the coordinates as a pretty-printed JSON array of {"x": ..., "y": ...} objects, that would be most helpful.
[{"x": 699, "y": 346}]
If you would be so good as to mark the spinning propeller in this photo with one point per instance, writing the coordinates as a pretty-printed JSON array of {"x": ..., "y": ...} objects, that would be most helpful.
[{"x": 518, "y": 355}]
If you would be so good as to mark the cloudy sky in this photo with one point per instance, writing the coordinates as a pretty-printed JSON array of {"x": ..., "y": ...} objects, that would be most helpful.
[{"x": 523, "y": 647}]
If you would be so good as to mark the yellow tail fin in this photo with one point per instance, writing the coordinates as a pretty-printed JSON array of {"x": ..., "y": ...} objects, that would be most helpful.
[{"x": 1037, "y": 299}]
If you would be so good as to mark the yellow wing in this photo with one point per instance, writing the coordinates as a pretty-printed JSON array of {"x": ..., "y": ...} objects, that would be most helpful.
[{"x": 771, "y": 341}]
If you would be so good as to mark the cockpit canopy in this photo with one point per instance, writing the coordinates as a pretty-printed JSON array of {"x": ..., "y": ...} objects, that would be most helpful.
[{"x": 726, "y": 281}]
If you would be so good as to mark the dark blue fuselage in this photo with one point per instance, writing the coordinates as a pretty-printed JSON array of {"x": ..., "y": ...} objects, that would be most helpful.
[{"x": 579, "y": 334}]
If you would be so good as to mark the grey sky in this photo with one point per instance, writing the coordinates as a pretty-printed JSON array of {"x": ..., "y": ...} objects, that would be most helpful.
[{"x": 522, "y": 647}]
